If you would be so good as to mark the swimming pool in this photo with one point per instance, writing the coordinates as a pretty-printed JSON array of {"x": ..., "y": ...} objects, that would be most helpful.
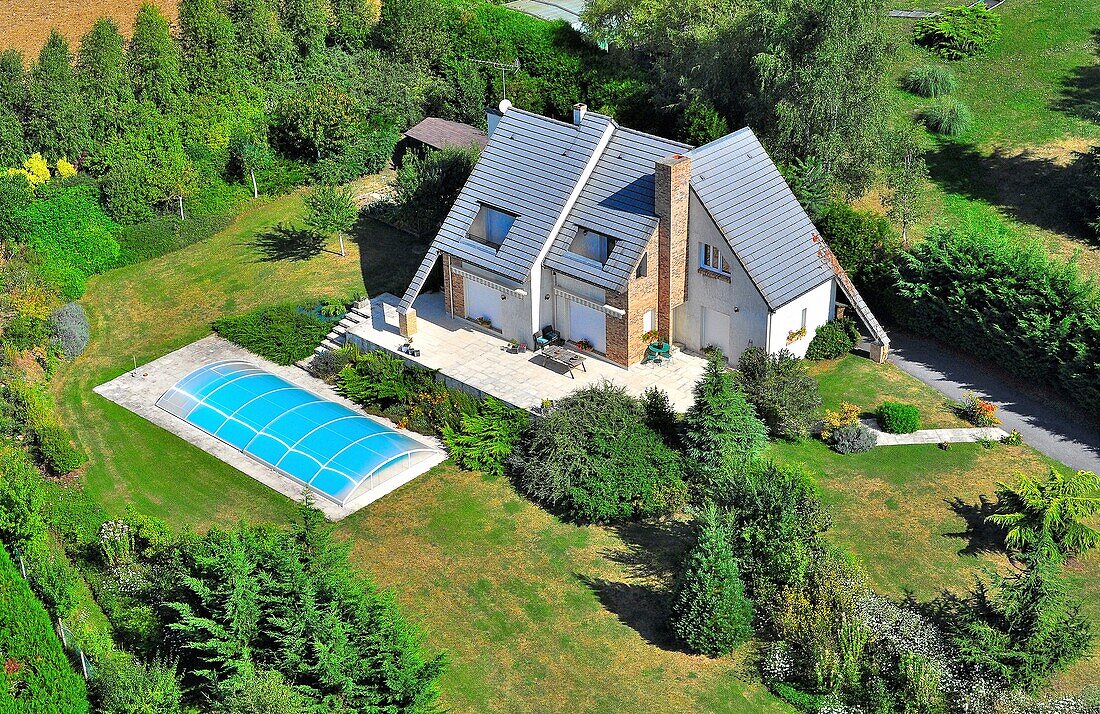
[{"x": 335, "y": 451}]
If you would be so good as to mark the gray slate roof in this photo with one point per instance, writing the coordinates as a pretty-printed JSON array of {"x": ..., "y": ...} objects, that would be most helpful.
[
  {"x": 529, "y": 168},
  {"x": 760, "y": 217},
  {"x": 617, "y": 200}
]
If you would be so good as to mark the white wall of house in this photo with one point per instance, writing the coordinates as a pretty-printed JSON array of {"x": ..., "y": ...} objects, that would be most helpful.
[
  {"x": 712, "y": 302},
  {"x": 512, "y": 315},
  {"x": 566, "y": 311},
  {"x": 818, "y": 305}
]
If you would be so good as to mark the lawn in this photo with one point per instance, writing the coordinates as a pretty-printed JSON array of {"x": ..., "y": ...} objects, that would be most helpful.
[
  {"x": 535, "y": 615},
  {"x": 914, "y": 514},
  {"x": 1036, "y": 100},
  {"x": 143, "y": 311}
]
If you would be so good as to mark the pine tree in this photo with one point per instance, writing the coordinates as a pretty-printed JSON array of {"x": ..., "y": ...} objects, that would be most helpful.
[
  {"x": 154, "y": 60},
  {"x": 57, "y": 120},
  {"x": 211, "y": 63},
  {"x": 103, "y": 79},
  {"x": 710, "y": 613},
  {"x": 721, "y": 432}
]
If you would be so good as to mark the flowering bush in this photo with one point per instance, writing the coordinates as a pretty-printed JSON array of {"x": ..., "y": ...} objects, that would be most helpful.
[
  {"x": 976, "y": 410},
  {"x": 833, "y": 420},
  {"x": 1013, "y": 438}
]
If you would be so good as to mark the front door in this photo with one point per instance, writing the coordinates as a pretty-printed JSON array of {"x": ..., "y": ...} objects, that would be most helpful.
[
  {"x": 587, "y": 324},
  {"x": 716, "y": 330},
  {"x": 484, "y": 301}
]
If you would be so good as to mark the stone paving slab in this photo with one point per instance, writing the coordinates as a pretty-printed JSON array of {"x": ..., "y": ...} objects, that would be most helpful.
[
  {"x": 935, "y": 436},
  {"x": 477, "y": 361},
  {"x": 139, "y": 389}
]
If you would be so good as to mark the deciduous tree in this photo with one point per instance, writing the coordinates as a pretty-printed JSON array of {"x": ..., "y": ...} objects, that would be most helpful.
[
  {"x": 104, "y": 80},
  {"x": 154, "y": 60},
  {"x": 331, "y": 211},
  {"x": 57, "y": 116}
]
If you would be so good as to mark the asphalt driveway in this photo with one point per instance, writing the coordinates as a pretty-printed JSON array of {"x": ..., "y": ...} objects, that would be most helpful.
[{"x": 1057, "y": 429}]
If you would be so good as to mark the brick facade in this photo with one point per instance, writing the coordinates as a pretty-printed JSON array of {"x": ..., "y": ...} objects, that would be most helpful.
[
  {"x": 672, "y": 181},
  {"x": 454, "y": 288}
]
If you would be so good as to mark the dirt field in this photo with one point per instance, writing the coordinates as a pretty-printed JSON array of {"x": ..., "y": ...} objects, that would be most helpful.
[{"x": 25, "y": 24}]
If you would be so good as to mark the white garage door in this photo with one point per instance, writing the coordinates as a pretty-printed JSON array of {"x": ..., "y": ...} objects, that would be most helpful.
[
  {"x": 483, "y": 301},
  {"x": 716, "y": 330},
  {"x": 587, "y": 324}
]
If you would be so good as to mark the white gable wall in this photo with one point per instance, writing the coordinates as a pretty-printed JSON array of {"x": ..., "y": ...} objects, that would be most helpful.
[
  {"x": 819, "y": 305},
  {"x": 708, "y": 297}
]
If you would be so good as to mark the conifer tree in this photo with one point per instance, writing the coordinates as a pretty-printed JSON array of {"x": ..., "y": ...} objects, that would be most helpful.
[
  {"x": 154, "y": 60},
  {"x": 267, "y": 47},
  {"x": 57, "y": 120},
  {"x": 211, "y": 63},
  {"x": 710, "y": 613},
  {"x": 721, "y": 432},
  {"x": 13, "y": 81},
  {"x": 104, "y": 80}
]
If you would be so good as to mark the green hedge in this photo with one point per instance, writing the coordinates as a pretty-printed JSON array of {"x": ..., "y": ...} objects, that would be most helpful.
[
  {"x": 895, "y": 418},
  {"x": 283, "y": 334},
  {"x": 1009, "y": 303},
  {"x": 50, "y": 443},
  {"x": 166, "y": 234},
  {"x": 37, "y": 677}
]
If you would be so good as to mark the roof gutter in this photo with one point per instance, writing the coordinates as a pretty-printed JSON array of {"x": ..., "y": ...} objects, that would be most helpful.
[{"x": 536, "y": 266}]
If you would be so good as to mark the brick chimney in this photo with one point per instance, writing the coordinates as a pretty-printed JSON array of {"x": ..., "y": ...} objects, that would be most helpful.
[{"x": 670, "y": 203}]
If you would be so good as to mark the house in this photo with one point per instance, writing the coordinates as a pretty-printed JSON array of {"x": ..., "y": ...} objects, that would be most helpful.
[
  {"x": 610, "y": 235},
  {"x": 436, "y": 133}
]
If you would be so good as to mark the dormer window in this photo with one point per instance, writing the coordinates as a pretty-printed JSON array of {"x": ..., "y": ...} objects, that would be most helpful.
[
  {"x": 490, "y": 226},
  {"x": 592, "y": 246}
]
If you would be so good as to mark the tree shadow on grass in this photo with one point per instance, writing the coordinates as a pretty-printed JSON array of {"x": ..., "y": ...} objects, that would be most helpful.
[
  {"x": 651, "y": 560},
  {"x": 1080, "y": 95},
  {"x": 980, "y": 536},
  {"x": 1032, "y": 186},
  {"x": 284, "y": 243}
]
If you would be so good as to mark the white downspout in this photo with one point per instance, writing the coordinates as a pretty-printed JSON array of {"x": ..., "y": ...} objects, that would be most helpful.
[{"x": 536, "y": 266}]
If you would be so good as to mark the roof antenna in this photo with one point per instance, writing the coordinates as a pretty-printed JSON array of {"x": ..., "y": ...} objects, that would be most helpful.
[{"x": 512, "y": 67}]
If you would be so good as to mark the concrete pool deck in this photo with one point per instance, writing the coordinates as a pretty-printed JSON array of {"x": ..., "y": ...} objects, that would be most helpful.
[{"x": 138, "y": 390}]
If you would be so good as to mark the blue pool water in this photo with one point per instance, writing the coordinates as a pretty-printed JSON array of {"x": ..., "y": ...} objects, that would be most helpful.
[{"x": 334, "y": 450}]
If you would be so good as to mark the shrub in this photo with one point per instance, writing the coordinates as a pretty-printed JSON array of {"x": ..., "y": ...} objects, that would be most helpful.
[
  {"x": 329, "y": 363},
  {"x": 658, "y": 415},
  {"x": 72, "y": 235},
  {"x": 123, "y": 685},
  {"x": 50, "y": 443},
  {"x": 710, "y": 613},
  {"x": 24, "y": 332},
  {"x": 283, "y": 334},
  {"x": 427, "y": 185},
  {"x": 785, "y": 396},
  {"x": 263, "y": 692},
  {"x": 1007, "y": 301},
  {"x": 486, "y": 438},
  {"x": 53, "y": 579},
  {"x": 56, "y": 449},
  {"x": 1012, "y": 438},
  {"x": 947, "y": 116},
  {"x": 1087, "y": 188},
  {"x": 853, "y": 439},
  {"x": 593, "y": 459},
  {"x": 36, "y": 674},
  {"x": 860, "y": 240},
  {"x": 930, "y": 80},
  {"x": 833, "y": 420},
  {"x": 959, "y": 32},
  {"x": 895, "y": 418},
  {"x": 70, "y": 329},
  {"x": 833, "y": 339},
  {"x": 976, "y": 410}
]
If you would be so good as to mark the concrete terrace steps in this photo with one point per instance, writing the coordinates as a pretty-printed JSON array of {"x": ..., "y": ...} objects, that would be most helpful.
[{"x": 359, "y": 313}]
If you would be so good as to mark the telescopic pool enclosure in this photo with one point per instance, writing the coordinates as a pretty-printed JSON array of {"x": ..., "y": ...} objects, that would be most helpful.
[{"x": 337, "y": 452}]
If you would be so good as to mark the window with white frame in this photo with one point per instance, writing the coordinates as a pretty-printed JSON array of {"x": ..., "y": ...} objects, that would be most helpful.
[
  {"x": 490, "y": 226},
  {"x": 711, "y": 258},
  {"x": 648, "y": 320}
]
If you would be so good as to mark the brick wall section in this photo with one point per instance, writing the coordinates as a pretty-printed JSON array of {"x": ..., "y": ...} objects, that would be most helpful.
[
  {"x": 453, "y": 287},
  {"x": 670, "y": 198},
  {"x": 624, "y": 335}
]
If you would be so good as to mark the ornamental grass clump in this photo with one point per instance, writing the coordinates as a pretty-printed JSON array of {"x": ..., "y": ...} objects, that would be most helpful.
[
  {"x": 930, "y": 80},
  {"x": 853, "y": 439},
  {"x": 948, "y": 116}
]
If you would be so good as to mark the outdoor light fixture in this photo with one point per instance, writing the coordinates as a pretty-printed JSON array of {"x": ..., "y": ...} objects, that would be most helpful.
[{"x": 503, "y": 296}]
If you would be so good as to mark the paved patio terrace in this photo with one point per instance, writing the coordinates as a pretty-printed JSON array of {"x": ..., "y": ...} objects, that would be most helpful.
[{"x": 475, "y": 359}]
